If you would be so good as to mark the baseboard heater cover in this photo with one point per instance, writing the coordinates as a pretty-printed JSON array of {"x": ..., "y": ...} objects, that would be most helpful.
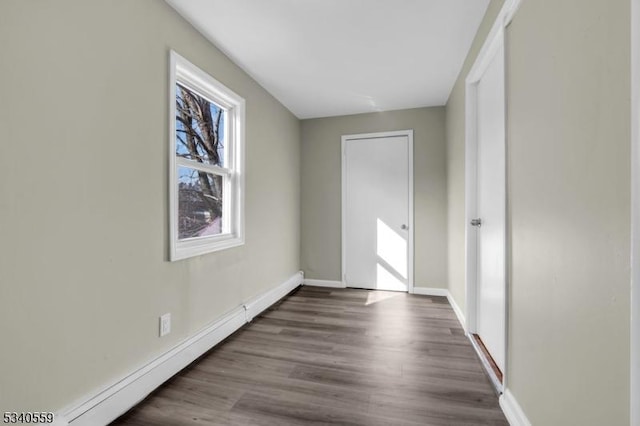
[{"x": 104, "y": 406}]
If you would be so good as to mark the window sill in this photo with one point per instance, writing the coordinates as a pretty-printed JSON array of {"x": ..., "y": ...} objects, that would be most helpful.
[{"x": 187, "y": 249}]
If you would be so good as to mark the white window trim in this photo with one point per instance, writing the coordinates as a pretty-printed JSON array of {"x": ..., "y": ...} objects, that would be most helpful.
[{"x": 184, "y": 72}]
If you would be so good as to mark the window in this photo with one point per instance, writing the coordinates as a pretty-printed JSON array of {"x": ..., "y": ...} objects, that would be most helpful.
[{"x": 206, "y": 162}]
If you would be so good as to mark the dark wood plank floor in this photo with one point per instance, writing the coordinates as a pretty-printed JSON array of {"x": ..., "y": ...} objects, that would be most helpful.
[{"x": 333, "y": 356}]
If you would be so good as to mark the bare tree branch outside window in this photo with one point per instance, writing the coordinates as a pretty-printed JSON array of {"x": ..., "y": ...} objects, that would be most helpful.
[{"x": 199, "y": 137}]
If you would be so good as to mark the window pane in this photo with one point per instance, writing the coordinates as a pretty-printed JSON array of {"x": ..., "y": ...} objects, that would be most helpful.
[
  {"x": 199, "y": 203},
  {"x": 200, "y": 126}
]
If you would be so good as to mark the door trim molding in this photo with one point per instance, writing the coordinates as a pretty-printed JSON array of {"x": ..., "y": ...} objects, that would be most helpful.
[
  {"x": 494, "y": 41},
  {"x": 345, "y": 138},
  {"x": 635, "y": 215}
]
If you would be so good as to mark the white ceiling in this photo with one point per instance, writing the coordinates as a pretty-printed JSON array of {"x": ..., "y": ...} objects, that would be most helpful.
[{"x": 336, "y": 57}]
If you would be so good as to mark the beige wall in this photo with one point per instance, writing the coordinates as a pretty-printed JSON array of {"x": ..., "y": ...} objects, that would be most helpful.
[
  {"x": 321, "y": 189},
  {"x": 568, "y": 170},
  {"x": 83, "y": 197}
]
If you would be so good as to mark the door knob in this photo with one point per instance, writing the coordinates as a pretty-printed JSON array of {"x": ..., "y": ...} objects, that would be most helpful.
[
  {"x": 476, "y": 222},
  {"x": 404, "y": 226}
]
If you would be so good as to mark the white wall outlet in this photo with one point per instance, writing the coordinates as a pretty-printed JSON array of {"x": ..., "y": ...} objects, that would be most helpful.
[{"x": 165, "y": 324}]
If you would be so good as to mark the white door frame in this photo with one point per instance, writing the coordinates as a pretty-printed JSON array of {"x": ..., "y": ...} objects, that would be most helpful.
[
  {"x": 635, "y": 214},
  {"x": 494, "y": 41},
  {"x": 345, "y": 140}
]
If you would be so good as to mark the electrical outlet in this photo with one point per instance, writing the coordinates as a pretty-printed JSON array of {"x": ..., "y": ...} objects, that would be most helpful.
[{"x": 165, "y": 324}]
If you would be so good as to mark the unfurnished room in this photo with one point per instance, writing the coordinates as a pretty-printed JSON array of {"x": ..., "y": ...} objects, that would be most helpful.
[{"x": 347, "y": 212}]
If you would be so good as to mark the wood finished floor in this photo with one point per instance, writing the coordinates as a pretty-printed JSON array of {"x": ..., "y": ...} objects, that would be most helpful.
[{"x": 333, "y": 356}]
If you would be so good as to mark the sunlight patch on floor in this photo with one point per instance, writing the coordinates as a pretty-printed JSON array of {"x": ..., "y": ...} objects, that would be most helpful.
[{"x": 379, "y": 296}]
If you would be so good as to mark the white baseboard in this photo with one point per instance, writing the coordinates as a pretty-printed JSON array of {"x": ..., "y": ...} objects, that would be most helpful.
[
  {"x": 105, "y": 406},
  {"x": 324, "y": 283},
  {"x": 512, "y": 410},
  {"x": 427, "y": 291},
  {"x": 457, "y": 311},
  {"x": 259, "y": 303}
]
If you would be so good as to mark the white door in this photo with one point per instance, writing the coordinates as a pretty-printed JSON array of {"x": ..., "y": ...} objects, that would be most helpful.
[
  {"x": 491, "y": 209},
  {"x": 376, "y": 211}
]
